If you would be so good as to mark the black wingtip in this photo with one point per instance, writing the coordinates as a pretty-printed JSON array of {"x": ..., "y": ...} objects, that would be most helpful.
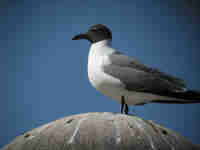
[
  {"x": 186, "y": 97},
  {"x": 193, "y": 95}
]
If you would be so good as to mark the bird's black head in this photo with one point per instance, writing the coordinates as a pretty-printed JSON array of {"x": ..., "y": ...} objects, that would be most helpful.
[{"x": 96, "y": 33}]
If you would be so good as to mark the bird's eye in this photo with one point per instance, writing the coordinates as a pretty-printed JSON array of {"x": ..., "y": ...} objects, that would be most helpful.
[
  {"x": 94, "y": 29},
  {"x": 97, "y": 29}
]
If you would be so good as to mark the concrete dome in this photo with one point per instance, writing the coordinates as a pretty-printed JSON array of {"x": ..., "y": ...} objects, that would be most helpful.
[{"x": 100, "y": 131}]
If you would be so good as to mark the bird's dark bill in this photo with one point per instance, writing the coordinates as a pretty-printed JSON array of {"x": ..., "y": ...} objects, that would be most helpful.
[{"x": 80, "y": 36}]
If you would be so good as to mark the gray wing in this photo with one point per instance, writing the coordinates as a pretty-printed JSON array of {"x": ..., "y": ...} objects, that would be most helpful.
[{"x": 138, "y": 77}]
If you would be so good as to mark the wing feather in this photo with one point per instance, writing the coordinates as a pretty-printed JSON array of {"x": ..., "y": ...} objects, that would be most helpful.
[{"x": 138, "y": 77}]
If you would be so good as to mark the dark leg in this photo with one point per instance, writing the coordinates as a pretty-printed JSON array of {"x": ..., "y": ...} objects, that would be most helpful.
[
  {"x": 126, "y": 109},
  {"x": 122, "y": 104}
]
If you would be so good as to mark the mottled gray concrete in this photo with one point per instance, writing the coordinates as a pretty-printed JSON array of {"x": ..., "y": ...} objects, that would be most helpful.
[{"x": 100, "y": 131}]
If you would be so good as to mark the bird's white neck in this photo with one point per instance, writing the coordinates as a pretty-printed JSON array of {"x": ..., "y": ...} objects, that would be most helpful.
[
  {"x": 101, "y": 43},
  {"x": 97, "y": 50}
]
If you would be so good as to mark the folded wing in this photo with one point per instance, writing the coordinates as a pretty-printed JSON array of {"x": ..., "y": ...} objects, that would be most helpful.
[{"x": 140, "y": 78}]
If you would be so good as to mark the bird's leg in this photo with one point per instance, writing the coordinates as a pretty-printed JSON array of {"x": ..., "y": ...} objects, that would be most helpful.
[
  {"x": 122, "y": 104},
  {"x": 126, "y": 109}
]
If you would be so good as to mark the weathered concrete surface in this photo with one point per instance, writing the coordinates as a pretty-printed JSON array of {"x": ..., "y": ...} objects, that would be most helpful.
[{"x": 101, "y": 131}]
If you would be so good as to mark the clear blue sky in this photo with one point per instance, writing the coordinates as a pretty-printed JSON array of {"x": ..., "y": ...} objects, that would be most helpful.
[{"x": 43, "y": 73}]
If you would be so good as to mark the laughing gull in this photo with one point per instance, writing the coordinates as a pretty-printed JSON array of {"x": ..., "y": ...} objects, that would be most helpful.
[{"x": 127, "y": 80}]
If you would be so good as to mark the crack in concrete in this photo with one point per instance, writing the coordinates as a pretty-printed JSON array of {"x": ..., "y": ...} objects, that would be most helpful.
[
  {"x": 140, "y": 126},
  {"x": 71, "y": 140},
  {"x": 117, "y": 132}
]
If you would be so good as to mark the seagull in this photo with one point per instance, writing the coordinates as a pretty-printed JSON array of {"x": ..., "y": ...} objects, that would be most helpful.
[{"x": 125, "y": 79}]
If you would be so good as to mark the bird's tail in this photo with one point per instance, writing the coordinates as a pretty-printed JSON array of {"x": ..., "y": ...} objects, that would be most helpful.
[{"x": 186, "y": 97}]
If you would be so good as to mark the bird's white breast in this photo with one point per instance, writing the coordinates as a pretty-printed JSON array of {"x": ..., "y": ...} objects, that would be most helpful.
[{"x": 104, "y": 83}]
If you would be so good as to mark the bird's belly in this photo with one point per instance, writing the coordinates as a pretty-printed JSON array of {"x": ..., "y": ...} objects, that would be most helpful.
[{"x": 105, "y": 84}]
